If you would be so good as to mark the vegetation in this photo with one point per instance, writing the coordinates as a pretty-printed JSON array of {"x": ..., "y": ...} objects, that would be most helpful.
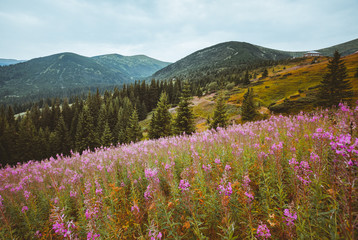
[
  {"x": 160, "y": 125},
  {"x": 288, "y": 177},
  {"x": 67, "y": 74},
  {"x": 184, "y": 120},
  {"x": 220, "y": 118},
  {"x": 248, "y": 109},
  {"x": 334, "y": 86}
]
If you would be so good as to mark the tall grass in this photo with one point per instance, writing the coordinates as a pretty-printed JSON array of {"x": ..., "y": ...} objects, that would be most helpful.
[{"x": 288, "y": 177}]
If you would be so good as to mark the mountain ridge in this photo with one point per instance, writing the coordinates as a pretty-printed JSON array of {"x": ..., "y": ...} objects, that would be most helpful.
[
  {"x": 67, "y": 71},
  {"x": 234, "y": 54}
]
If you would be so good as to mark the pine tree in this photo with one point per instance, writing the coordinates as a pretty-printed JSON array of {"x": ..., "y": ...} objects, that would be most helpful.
[
  {"x": 160, "y": 125},
  {"x": 107, "y": 137},
  {"x": 265, "y": 73},
  {"x": 248, "y": 108},
  {"x": 134, "y": 131},
  {"x": 124, "y": 114},
  {"x": 184, "y": 120},
  {"x": 220, "y": 118},
  {"x": 26, "y": 140},
  {"x": 247, "y": 78},
  {"x": 334, "y": 88},
  {"x": 61, "y": 142},
  {"x": 86, "y": 136}
]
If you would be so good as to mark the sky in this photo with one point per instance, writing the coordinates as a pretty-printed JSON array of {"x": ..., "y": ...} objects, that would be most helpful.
[{"x": 169, "y": 30}]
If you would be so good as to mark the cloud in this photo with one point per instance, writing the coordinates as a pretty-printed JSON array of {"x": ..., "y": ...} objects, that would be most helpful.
[{"x": 170, "y": 29}]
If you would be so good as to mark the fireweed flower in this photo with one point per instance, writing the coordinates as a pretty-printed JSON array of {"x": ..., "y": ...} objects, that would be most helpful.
[
  {"x": 225, "y": 189},
  {"x": 24, "y": 209},
  {"x": 154, "y": 235},
  {"x": 207, "y": 168},
  {"x": 227, "y": 167},
  {"x": 302, "y": 170},
  {"x": 217, "y": 161},
  {"x": 289, "y": 217},
  {"x": 263, "y": 232},
  {"x": 184, "y": 185}
]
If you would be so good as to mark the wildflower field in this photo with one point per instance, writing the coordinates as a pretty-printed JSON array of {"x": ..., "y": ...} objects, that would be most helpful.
[{"x": 288, "y": 177}]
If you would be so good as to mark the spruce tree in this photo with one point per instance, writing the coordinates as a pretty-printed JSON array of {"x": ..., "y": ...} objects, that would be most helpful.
[
  {"x": 134, "y": 132},
  {"x": 334, "y": 86},
  {"x": 248, "y": 108},
  {"x": 184, "y": 120},
  {"x": 160, "y": 125},
  {"x": 86, "y": 136},
  {"x": 220, "y": 118},
  {"x": 247, "y": 78},
  {"x": 61, "y": 142},
  {"x": 107, "y": 137}
]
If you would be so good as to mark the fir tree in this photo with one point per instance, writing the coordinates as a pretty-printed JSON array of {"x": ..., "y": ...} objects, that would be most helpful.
[
  {"x": 248, "y": 108},
  {"x": 265, "y": 73},
  {"x": 220, "y": 118},
  {"x": 107, "y": 137},
  {"x": 247, "y": 78},
  {"x": 61, "y": 141},
  {"x": 160, "y": 125},
  {"x": 134, "y": 131},
  {"x": 86, "y": 136},
  {"x": 334, "y": 88},
  {"x": 184, "y": 120}
]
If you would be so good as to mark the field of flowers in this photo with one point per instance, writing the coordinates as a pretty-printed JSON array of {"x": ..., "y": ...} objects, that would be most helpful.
[{"x": 291, "y": 177}]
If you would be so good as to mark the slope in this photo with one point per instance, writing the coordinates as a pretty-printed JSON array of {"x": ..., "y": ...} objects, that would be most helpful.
[
  {"x": 237, "y": 55},
  {"x": 136, "y": 67},
  {"x": 65, "y": 72},
  {"x": 223, "y": 55}
]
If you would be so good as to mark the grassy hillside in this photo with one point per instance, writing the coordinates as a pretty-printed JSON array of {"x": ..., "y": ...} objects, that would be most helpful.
[
  {"x": 292, "y": 87},
  {"x": 284, "y": 178}
]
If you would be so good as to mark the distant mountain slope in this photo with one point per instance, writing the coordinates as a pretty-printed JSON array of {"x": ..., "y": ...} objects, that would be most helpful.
[
  {"x": 69, "y": 71},
  {"x": 226, "y": 55},
  {"x": 344, "y": 48},
  {"x": 139, "y": 66},
  {"x": 6, "y": 62},
  {"x": 234, "y": 54}
]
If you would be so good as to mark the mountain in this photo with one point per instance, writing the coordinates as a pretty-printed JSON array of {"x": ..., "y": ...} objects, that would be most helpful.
[
  {"x": 223, "y": 55},
  {"x": 237, "y": 54},
  {"x": 136, "y": 67},
  {"x": 65, "y": 72},
  {"x": 6, "y": 62}
]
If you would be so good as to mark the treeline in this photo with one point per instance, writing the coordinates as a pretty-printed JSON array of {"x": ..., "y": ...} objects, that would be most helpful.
[
  {"x": 24, "y": 103},
  {"x": 99, "y": 120}
]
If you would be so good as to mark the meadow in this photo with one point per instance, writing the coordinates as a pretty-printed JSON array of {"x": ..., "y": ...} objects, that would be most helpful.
[{"x": 287, "y": 177}]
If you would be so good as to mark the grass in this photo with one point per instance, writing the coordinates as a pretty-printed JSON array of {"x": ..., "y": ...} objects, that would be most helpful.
[{"x": 287, "y": 177}]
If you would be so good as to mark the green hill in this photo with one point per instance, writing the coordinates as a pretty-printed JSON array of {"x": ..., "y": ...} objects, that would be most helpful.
[
  {"x": 136, "y": 67},
  {"x": 235, "y": 55},
  {"x": 67, "y": 71}
]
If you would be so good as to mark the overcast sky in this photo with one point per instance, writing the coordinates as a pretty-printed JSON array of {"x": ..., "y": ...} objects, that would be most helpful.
[{"x": 169, "y": 30}]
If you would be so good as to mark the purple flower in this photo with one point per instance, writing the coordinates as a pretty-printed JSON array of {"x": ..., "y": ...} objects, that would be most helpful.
[
  {"x": 184, "y": 185},
  {"x": 289, "y": 217},
  {"x": 263, "y": 232},
  {"x": 217, "y": 161},
  {"x": 24, "y": 209},
  {"x": 225, "y": 189},
  {"x": 227, "y": 167}
]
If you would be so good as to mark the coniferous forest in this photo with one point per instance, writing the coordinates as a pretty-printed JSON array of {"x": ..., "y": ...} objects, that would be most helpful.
[{"x": 97, "y": 120}]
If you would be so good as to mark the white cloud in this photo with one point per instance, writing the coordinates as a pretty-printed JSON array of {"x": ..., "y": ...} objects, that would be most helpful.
[{"x": 170, "y": 29}]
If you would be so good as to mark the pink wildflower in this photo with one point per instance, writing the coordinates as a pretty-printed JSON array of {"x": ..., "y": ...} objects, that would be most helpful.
[
  {"x": 184, "y": 185},
  {"x": 263, "y": 232}
]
